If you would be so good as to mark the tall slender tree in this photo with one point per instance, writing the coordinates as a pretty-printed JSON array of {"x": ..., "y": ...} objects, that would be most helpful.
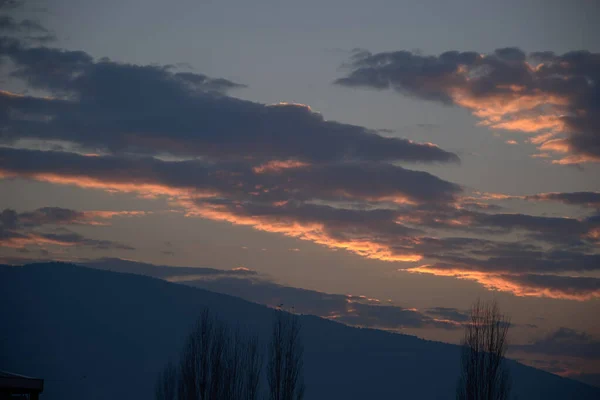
[
  {"x": 484, "y": 373},
  {"x": 215, "y": 364},
  {"x": 166, "y": 384},
  {"x": 286, "y": 359}
]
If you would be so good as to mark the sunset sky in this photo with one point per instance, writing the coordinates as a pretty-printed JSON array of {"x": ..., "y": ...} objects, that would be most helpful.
[{"x": 418, "y": 154}]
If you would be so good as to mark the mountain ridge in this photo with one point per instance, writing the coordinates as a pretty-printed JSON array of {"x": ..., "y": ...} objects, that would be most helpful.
[{"x": 98, "y": 334}]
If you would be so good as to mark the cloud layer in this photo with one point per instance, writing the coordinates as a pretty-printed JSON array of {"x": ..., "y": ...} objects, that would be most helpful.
[
  {"x": 46, "y": 227},
  {"x": 565, "y": 342},
  {"x": 552, "y": 96},
  {"x": 153, "y": 131},
  {"x": 117, "y": 107}
]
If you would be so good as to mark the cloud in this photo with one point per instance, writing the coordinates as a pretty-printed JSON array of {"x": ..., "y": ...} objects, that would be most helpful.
[
  {"x": 165, "y": 272},
  {"x": 559, "y": 230},
  {"x": 349, "y": 309},
  {"x": 9, "y": 24},
  {"x": 449, "y": 313},
  {"x": 281, "y": 168},
  {"x": 350, "y": 181},
  {"x": 388, "y": 317},
  {"x": 59, "y": 216},
  {"x": 568, "y": 232},
  {"x": 116, "y": 107},
  {"x": 554, "y": 97},
  {"x": 383, "y": 213},
  {"x": 18, "y": 240},
  {"x": 10, "y": 4},
  {"x": 520, "y": 284},
  {"x": 27, "y": 30},
  {"x": 582, "y": 199},
  {"x": 586, "y": 199},
  {"x": 17, "y": 230},
  {"x": 273, "y": 202},
  {"x": 564, "y": 342}
]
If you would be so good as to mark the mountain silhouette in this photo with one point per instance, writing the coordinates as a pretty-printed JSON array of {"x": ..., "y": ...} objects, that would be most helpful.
[{"x": 94, "y": 334}]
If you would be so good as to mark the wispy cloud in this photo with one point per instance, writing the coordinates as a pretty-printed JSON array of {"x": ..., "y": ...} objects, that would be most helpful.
[
  {"x": 357, "y": 310},
  {"x": 20, "y": 230},
  {"x": 564, "y": 342},
  {"x": 380, "y": 211}
]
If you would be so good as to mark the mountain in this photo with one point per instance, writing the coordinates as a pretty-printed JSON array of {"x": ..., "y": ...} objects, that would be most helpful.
[{"x": 94, "y": 334}]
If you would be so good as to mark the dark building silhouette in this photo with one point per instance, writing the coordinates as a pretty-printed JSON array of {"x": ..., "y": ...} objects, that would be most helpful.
[{"x": 13, "y": 386}]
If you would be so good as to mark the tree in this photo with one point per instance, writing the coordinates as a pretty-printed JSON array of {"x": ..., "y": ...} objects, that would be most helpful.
[
  {"x": 285, "y": 365},
  {"x": 166, "y": 384},
  {"x": 215, "y": 364},
  {"x": 484, "y": 374}
]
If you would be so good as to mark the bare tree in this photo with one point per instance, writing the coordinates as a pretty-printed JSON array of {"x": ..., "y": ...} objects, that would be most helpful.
[
  {"x": 166, "y": 384},
  {"x": 484, "y": 374},
  {"x": 253, "y": 362},
  {"x": 215, "y": 364},
  {"x": 285, "y": 365}
]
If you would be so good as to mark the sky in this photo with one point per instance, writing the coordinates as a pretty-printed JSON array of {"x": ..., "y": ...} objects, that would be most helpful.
[{"x": 417, "y": 154}]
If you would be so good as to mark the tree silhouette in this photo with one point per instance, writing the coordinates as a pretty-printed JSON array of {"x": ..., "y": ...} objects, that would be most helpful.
[
  {"x": 484, "y": 374},
  {"x": 216, "y": 364},
  {"x": 285, "y": 364},
  {"x": 166, "y": 384}
]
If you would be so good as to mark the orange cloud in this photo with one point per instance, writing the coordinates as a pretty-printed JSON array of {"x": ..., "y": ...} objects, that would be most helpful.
[
  {"x": 32, "y": 239},
  {"x": 315, "y": 232},
  {"x": 144, "y": 189},
  {"x": 241, "y": 269},
  {"x": 311, "y": 231},
  {"x": 532, "y": 124},
  {"x": 278, "y": 165},
  {"x": 504, "y": 283},
  {"x": 546, "y": 94},
  {"x": 90, "y": 217},
  {"x": 513, "y": 110}
]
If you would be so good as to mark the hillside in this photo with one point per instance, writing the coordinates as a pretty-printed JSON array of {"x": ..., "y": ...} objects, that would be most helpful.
[{"x": 96, "y": 334}]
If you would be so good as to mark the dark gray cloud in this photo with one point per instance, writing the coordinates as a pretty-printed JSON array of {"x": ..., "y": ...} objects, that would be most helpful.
[
  {"x": 279, "y": 168},
  {"x": 6, "y": 5},
  {"x": 449, "y": 313},
  {"x": 349, "y": 309},
  {"x": 512, "y": 274},
  {"x": 28, "y": 30},
  {"x": 18, "y": 230},
  {"x": 57, "y": 216},
  {"x": 67, "y": 238},
  {"x": 568, "y": 233},
  {"x": 50, "y": 215},
  {"x": 564, "y": 342},
  {"x": 351, "y": 181},
  {"x": 9, "y": 219},
  {"x": 374, "y": 181},
  {"x": 568, "y": 285},
  {"x": 586, "y": 199},
  {"x": 508, "y": 89},
  {"x": 9, "y": 24},
  {"x": 150, "y": 109},
  {"x": 308, "y": 203},
  {"x": 563, "y": 231},
  {"x": 495, "y": 259},
  {"x": 163, "y": 271},
  {"x": 389, "y": 317}
]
